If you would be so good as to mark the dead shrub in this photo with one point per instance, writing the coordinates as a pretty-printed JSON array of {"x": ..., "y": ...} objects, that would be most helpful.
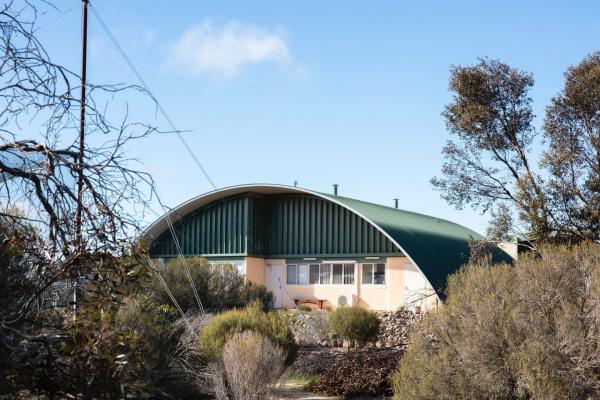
[{"x": 249, "y": 368}]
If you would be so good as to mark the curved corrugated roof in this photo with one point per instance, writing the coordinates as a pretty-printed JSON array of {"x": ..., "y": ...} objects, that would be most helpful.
[{"x": 435, "y": 246}]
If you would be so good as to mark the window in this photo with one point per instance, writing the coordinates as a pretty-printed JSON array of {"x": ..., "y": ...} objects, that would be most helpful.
[
  {"x": 341, "y": 274},
  {"x": 338, "y": 274},
  {"x": 348, "y": 274},
  {"x": 303, "y": 274},
  {"x": 314, "y": 274},
  {"x": 237, "y": 266},
  {"x": 379, "y": 274},
  {"x": 325, "y": 275},
  {"x": 320, "y": 274},
  {"x": 292, "y": 274},
  {"x": 297, "y": 274},
  {"x": 367, "y": 274},
  {"x": 373, "y": 274}
]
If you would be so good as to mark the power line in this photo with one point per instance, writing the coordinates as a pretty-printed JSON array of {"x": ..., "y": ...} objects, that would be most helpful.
[
  {"x": 168, "y": 119},
  {"x": 171, "y": 296},
  {"x": 180, "y": 252},
  {"x": 147, "y": 88},
  {"x": 178, "y": 248}
]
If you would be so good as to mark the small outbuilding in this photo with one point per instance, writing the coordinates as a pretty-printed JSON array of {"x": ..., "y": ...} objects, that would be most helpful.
[{"x": 318, "y": 249}]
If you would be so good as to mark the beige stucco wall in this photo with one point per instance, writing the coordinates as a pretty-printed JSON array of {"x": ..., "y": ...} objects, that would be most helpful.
[
  {"x": 288, "y": 293},
  {"x": 404, "y": 286},
  {"x": 330, "y": 293},
  {"x": 510, "y": 248},
  {"x": 389, "y": 296},
  {"x": 417, "y": 293},
  {"x": 255, "y": 269}
]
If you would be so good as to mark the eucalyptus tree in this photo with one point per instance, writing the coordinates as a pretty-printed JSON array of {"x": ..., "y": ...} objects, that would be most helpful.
[
  {"x": 572, "y": 157},
  {"x": 493, "y": 163}
]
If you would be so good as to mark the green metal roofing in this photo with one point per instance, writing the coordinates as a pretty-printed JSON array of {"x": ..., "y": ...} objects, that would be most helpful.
[{"x": 437, "y": 247}]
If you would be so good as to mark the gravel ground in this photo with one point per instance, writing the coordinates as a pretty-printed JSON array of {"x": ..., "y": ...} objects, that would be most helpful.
[{"x": 296, "y": 391}]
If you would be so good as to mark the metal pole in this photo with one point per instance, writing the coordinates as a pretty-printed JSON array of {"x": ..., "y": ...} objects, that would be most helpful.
[
  {"x": 81, "y": 123},
  {"x": 80, "y": 160}
]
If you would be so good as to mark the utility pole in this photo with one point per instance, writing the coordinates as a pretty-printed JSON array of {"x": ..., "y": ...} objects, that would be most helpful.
[{"x": 80, "y": 159}]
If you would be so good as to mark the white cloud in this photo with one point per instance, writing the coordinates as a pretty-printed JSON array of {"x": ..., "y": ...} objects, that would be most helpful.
[{"x": 223, "y": 51}]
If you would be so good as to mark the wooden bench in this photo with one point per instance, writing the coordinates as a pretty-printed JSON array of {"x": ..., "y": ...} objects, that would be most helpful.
[{"x": 316, "y": 302}]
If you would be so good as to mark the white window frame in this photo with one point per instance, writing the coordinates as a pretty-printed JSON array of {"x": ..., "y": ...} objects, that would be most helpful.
[
  {"x": 320, "y": 264},
  {"x": 240, "y": 266},
  {"x": 353, "y": 263},
  {"x": 298, "y": 268},
  {"x": 374, "y": 264}
]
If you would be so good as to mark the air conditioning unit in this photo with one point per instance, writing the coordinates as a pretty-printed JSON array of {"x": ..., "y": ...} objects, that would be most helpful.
[{"x": 345, "y": 300}]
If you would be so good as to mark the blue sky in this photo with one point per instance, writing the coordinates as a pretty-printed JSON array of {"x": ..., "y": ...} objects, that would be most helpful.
[{"x": 330, "y": 92}]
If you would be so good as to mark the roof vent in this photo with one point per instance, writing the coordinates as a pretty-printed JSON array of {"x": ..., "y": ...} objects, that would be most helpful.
[
  {"x": 395, "y": 203},
  {"x": 335, "y": 189}
]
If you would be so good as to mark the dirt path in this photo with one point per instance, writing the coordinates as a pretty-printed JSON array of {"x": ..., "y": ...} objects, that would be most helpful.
[{"x": 294, "y": 391}]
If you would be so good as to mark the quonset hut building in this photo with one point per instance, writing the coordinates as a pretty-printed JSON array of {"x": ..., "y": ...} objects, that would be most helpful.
[{"x": 319, "y": 249}]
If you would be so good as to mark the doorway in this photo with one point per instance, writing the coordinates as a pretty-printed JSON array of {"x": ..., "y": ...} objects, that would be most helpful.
[{"x": 274, "y": 280}]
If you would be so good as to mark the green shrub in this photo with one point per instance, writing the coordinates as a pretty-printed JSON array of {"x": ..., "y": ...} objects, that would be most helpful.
[
  {"x": 354, "y": 324},
  {"x": 270, "y": 324},
  {"x": 252, "y": 292},
  {"x": 528, "y": 331},
  {"x": 220, "y": 287}
]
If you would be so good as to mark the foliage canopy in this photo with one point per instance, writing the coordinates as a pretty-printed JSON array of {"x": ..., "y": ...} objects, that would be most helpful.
[
  {"x": 512, "y": 332},
  {"x": 270, "y": 324},
  {"x": 489, "y": 163},
  {"x": 354, "y": 324}
]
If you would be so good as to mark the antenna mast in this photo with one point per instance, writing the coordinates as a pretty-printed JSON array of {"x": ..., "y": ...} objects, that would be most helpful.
[
  {"x": 80, "y": 159},
  {"x": 81, "y": 123}
]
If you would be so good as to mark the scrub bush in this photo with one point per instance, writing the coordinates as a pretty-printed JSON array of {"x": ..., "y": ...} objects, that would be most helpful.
[
  {"x": 250, "y": 366},
  {"x": 529, "y": 331},
  {"x": 219, "y": 287},
  {"x": 354, "y": 324},
  {"x": 223, "y": 326}
]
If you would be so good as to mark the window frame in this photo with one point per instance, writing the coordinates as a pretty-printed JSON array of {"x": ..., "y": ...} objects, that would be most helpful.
[
  {"x": 353, "y": 265},
  {"x": 238, "y": 266},
  {"x": 373, "y": 274},
  {"x": 298, "y": 274},
  {"x": 287, "y": 274},
  {"x": 310, "y": 273}
]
